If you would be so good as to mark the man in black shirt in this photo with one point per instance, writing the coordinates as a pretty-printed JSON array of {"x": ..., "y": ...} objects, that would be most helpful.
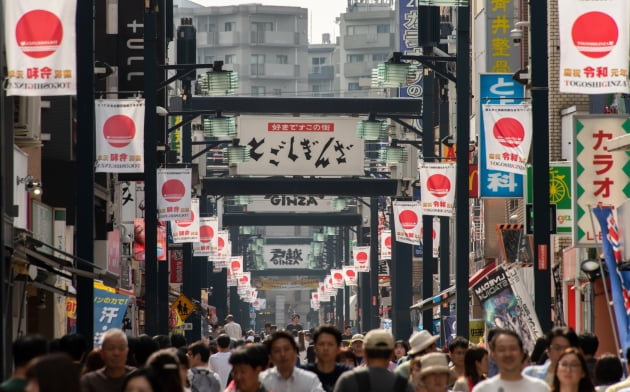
[
  {"x": 294, "y": 327},
  {"x": 327, "y": 340}
]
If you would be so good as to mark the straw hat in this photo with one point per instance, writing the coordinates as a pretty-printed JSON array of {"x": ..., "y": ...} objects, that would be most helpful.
[
  {"x": 436, "y": 363},
  {"x": 378, "y": 339},
  {"x": 420, "y": 341}
]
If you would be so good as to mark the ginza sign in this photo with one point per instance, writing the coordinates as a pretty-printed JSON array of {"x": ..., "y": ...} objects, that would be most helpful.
[
  {"x": 286, "y": 256},
  {"x": 301, "y": 146}
]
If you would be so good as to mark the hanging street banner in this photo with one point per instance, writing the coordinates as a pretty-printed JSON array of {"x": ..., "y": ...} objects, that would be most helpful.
[
  {"x": 560, "y": 194},
  {"x": 350, "y": 275},
  {"x": 619, "y": 280},
  {"x": 498, "y": 89},
  {"x": 301, "y": 146},
  {"x": 337, "y": 278},
  {"x": 594, "y": 46},
  {"x": 40, "y": 47},
  {"x": 410, "y": 45},
  {"x": 494, "y": 23},
  {"x": 386, "y": 244},
  {"x": 508, "y": 136},
  {"x": 601, "y": 177},
  {"x": 286, "y": 256},
  {"x": 507, "y": 304},
  {"x": 187, "y": 230},
  {"x": 109, "y": 311},
  {"x": 437, "y": 187},
  {"x": 221, "y": 257},
  {"x": 174, "y": 193},
  {"x": 208, "y": 228},
  {"x": 176, "y": 266},
  {"x": 236, "y": 266},
  {"x": 361, "y": 258},
  {"x": 408, "y": 221},
  {"x": 119, "y": 135}
]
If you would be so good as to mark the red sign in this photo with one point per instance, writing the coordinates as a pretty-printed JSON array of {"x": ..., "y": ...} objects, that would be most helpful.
[
  {"x": 173, "y": 190},
  {"x": 594, "y": 34},
  {"x": 39, "y": 33},
  {"x": 542, "y": 257},
  {"x": 408, "y": 219},
  {"x": 119, "y": 130},
  {"x": 509, "y": 132},
  {"x": 438, "y": 185},
  {"x": 300, "y": 127},
  {"x": 176, "y": 270}
]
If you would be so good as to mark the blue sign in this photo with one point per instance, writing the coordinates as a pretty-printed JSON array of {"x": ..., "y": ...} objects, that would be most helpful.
[
  {"x": 109, "y": 312},
  {"x": 498, "y": 89},
  {"x": 409, "y": 43}
]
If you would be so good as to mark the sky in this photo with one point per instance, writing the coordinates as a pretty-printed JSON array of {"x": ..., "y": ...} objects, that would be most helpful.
[{"x": 321, "y": 13}]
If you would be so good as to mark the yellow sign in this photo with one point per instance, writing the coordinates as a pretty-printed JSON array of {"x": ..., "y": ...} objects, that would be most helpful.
[{"x": 183, "y": 306}]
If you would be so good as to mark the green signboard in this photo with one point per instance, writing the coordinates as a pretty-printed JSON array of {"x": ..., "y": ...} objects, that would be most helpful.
[{"x": 559, "y": 194}]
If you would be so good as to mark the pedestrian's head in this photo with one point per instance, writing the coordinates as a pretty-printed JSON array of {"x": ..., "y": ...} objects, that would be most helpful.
[
  {"x": 198, "y": 354},
  {"x": 223, "y": 341},
  {"x": 166, "y": 366},
  {"x": 247, "y": 363},
  {"x": 571, "y": 372},
  {"x": 378, "y": 343},
  {"x": 327, "y": 340},
  {"x": 142, "y": 380},
  {"x": 401, "y": 348},
  {"x": 295, "y": 318},
  {"x": 588, "y": 343},
  {"x": 507, "y": 351},
  {"x": 422, "y": 343},
  {"x": 229, "y": 318},
  {"x": 347, "y": 357},
  {"x": 52, "y": 373},
  {"x": 558, "y": 340},
  {"x": 476, "y": 364},
  {"x": 435, "y": 373},
  {"x": 457, "y": 349},
  {"x": 114, "y": 348},
  {"x": 608, "y": 369},
  {"x": 28, "y": 347},
  {"x": 73, "y": 344},
  {"x": 283, "y": 350}
]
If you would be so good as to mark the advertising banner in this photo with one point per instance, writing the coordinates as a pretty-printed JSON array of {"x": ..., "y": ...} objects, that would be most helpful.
[
  {"x": 501, "y": 53},
  {"x": 176, "y": 270},
  {"x": 223, "y": 252},
  {"x": 286, "y": 256},
  {"x": 208, "y": 228},
  {"x": 386, "y": 244},
  {"x": 174, "y": 193},
  {"x": 301, "y": 146},
  {"x": 40, "y": 38},
  {"x": 187, "y": 230},
  {"x": 119, "y": 135},
  {"x": 594, "y": 46},
  {"x": 560, "y": 194},
  {"x": 113, "y": 251},
  {"x": 409, "y": 44},
  {"x": 350, "y": 275},
  {"x": 337, "y": 278},
  {"x": 437, "y": 187},
  {"x": 109, "y": 311},
  {"x": 361, "y": 258},
  {"x": 508, "y": 136},
  {"x": 408, "y": 221}
]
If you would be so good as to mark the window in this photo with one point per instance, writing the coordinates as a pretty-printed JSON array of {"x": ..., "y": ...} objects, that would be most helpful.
[
  {"x": 230, "y": 26},
  {"x": 380, "y": 57},
  {"x": 277, "y": 91},
  {"x": 212, "y": 28},
  {"x": 258, "y": 64},
  {"x": 355, "y": 58},
  {"x": 353, "y": 86},
  {"x": 382, "y": 28},
  {"x": 317, "y": 63},
  {"x": 208, "y": 59},
  {"x": 356, "y": 30},
  {"x": 258, "y": 90},
  {"x": 282, "y": 59},
  {"x": 230, "y": 59},
  {"x": 262, "y": 26}
]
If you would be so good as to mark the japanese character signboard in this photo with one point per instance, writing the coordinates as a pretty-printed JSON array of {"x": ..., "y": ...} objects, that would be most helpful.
[
  {"x": 109, "y": 311},
  {"x": 291, "y": 203},
  {"x": 174, "y": 193},
  {"x": 509, "y": 142},
  {"x": 498, "y": 89},
  {"x": 208, "y": 228},
  {"x": 409, "y": 44},
  {"x": 119, "y": 135},
  {"x": 303, "y": 146},
  {"x": 187, "y": 230},
  {"x": 41, "y": 47},
  {"x": 407, "y": 221},
  {"x": 437, "y": 188},
  {"x": 286, "y": 256},
  {"x": 502, "y": 55},
  {"x": 602, "y": 178},
  {"x": 593, "y": 46},
  {"x": 183, "y": 306}
]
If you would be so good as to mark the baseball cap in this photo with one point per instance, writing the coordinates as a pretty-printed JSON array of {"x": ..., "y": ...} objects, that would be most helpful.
[
  {"x": 357, "y": 337},
  {"x": 378, "y": 339}
]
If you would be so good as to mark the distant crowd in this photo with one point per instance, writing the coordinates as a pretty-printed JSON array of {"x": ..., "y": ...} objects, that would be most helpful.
[{"x": 292, "y": 359}]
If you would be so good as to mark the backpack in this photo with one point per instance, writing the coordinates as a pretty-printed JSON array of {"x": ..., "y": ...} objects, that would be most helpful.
[
  {"x": 363, "y": 381},
  {"x": 204, "y": 381}
]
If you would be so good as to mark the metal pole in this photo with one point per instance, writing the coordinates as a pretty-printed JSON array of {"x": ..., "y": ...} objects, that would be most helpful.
[
  {"x": 462, "y": 217},
  {"x": 428, "y": 152},
  {"x": 374, "y": 320},
  {"x": 445, "y": 272},
  {"x": 85, "y": 165},
  {"x": 345, "y": 233},
  {"x": 540, "y": 160}
]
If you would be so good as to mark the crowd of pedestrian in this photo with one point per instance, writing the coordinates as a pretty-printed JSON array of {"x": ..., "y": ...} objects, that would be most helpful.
[{"x": 322, "y": 359}]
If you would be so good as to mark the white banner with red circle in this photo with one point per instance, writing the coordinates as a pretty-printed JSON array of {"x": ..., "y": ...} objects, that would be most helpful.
[
  {"x": 361, "y": 258},
  {"x": 221, "y": 256},
  {"x": 40, "y": 38},
  {"x": 187, "y": 230},
  {"x": 236, "y": 266},
  {"x": 231, "y": 279},
  {"x": 408, "y": 221},
  {"x": 174, "y": 193},
  {"x": 593, "y": 46},
  {"x": 119, "y": 135},
  {"x": 208, "y": 228},
  {"x": 508, "y": 136},
  {"x": 386, "y": 244},
  {"x": 259, "y": 303},
  {"x": 350, "y": 275},
  {"x": 337, "y": 278},
  {"x": 437, "y": 188}
]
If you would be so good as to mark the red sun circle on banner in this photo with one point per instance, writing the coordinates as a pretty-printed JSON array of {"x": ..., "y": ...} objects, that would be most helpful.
[
  {"x": 235, "y": 265},
  {"x": 509, "y": 132},
  {"x": 595, "y": 34},
  {"x": 206, "y": 233},
  {"x": 186, "y": 222},
  {"x": 316, "y": 296},
  {"x": 438, "y": 185},
  {"x": 220, "y": 243},
  {"x": 350, "y": 273},
  {"x": 39, "y": 33},
  {"x": 362, "y": 257},
  {"x": 119, "y": 130},
  {"x": 338, "y": 276},
  {"x": 244, "y": 279},
  {"x": 173, "y": 190},
  {"x": 408, "y": 219},
  {"x": 256, "y": 303},
  {"x": 388, "y": 242}
]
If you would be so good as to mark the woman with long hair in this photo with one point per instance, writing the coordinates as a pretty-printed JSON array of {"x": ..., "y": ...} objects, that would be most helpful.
[
  {"x": 475, "y": 369},
  {"x": 52, "y": 373},
  {"x": 571, "y": 374}
]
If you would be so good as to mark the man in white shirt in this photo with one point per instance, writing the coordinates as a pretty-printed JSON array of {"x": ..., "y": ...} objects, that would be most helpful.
[
  {"x": 285, "y": 377},
  {"x": 220, "y": 362},
  {"x": 506, "y": 348},
  {"x": 232, "y": 328}
]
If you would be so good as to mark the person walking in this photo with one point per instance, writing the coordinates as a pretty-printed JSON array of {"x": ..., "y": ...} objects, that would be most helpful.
[
  {"x": 232, "y": 328},
  {"x": 109, "y": 378},
  {"x": 571, "y": 373},
  {"x": 327, "y": 344}
]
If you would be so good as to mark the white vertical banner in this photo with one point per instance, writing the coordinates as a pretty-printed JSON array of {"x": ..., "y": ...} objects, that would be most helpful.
[
  {"x": 386, "y": 244},
  {"x": 408, "y": 221},
  {"x": 361, "y": 258},
  {"x": 337, "y": 278},
  {"x": 436, "y": 232},
  {"x": 508, "y": 136},
  {"x": 243, "y": 283},
  {"x": 40, "y": 38},
  {"x": 223, "y": 252},
  {"x": 437, "y": 188},
  {"x": 593, "y": 46},
  {"x": 174, "y": 193},
  {"x": 119, "y": 135},
  {"x": 231, "y": 279},
  {"x": 187, "y": 230},
  {"x": 350, "y": 275},
  {"x": 208, "y": 228},
  {"x": 236, "y": 266}
]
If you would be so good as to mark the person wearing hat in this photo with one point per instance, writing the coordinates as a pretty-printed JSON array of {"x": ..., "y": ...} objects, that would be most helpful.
[
  {"x": 378, "y": 346},
  {"x": 435, "y": 375},
  {"x": 295, "y": 325},
  {"x": 421, "y": 343},
  {"x": 232, "y": 328},
  {"x": 356, "y": 345}
]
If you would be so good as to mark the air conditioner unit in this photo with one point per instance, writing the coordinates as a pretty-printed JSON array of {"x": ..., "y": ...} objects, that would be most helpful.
[{"x": 27, "y": 119}]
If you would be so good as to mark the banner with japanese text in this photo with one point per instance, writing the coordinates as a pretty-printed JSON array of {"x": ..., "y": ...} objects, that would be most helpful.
[
  {"x": 337, "y": 278},
  {"x": 361, "y": 258},
  {"x": 221, "y": 256},
  {"x": 408, "y": 221},
  {"x": 593, "y": 46},
  {"x": 208, "y": 228},
  {"x": 508, "y": 136},
  {"x": 437, "y": 187},
  {"x": 350, "y": 275},
  {"x": 176, "y": 270},
  {"x": 601, "y": 176},
  {"x": 109, "y": 311},
  {"x": 410, "y": 45},
  {"x": 119, "y": 135},
  {"x": 385, "y": 240},
  {"x": 174, "y": 193},
  {"x": 236, "y": 266},
  {"x": 187, "y": 230},
  {"x": 40, "y": 47},
  {"x": 286, "y": 256}
]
